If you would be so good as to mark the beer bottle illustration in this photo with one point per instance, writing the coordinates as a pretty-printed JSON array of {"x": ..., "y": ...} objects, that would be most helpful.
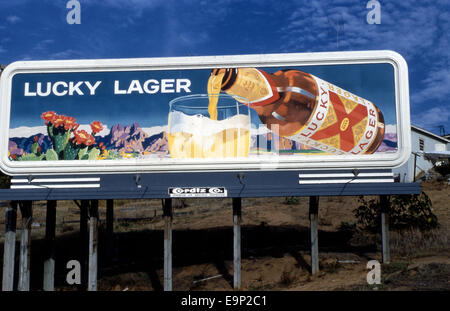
[{"x": 306, "y": 108}]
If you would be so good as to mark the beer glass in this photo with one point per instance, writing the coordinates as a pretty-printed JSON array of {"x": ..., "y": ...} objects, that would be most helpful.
[{"x": 200, "y": 129}]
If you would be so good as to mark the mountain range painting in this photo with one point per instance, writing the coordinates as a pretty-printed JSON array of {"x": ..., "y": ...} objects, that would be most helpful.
[{"x": 64, "y": 140}]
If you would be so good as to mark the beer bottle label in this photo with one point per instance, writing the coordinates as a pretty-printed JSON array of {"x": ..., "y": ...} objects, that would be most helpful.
[
  {"x": 256, "y": 86},
  {"x": 341, "y": 122}
]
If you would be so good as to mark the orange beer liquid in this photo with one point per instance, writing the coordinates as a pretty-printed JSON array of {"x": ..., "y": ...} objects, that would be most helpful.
[
  {"x": 231, "y": 141},
  {"x": 225, "y": 144}
]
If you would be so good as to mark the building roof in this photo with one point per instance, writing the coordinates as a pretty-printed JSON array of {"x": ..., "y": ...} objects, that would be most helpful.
[{"x": 432, "y": 135}]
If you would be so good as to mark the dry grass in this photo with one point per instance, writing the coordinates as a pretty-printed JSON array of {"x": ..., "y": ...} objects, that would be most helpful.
[{"x": 416, "y": 243}]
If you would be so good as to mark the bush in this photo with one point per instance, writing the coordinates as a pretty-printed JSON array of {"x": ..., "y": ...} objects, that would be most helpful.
[
  {"x": 4, "y": 181},
  {"x": 406, "y": 212},
  {"x": 443, "y": 169},
  {"x": 291, "y": 200}
]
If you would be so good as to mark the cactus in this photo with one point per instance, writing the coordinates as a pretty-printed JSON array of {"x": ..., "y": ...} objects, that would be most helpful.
[
  {"x": 31, "y": 157},
  {"x": 70, "y": 152},
  {"x": 34, "y": 148},
  {"x": 64, "y": 147},
  {"x": 60, "y": 141},
  {"x": 93, "y": 154},
  {"x": 51, "y": 155},
  {"x": 82, "y": 153}
]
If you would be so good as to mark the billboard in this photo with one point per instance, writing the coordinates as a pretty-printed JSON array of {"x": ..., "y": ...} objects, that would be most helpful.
[{"x": 212, "y": 113}]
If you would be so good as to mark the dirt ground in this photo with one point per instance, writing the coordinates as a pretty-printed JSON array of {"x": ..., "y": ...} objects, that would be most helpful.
[{"x": 275, "y": 246}]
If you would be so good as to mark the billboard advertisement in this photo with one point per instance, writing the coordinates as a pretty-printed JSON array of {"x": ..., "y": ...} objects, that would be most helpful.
[{"x": 212, "y": 113}]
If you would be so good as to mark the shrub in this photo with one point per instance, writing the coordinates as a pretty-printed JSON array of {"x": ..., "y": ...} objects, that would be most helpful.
[
  {"x": 443, "y": 169},
  {"x": 4, "y": 181},
  {"x": 291, "y": 200},
  {"x": 406, "y": 212}
]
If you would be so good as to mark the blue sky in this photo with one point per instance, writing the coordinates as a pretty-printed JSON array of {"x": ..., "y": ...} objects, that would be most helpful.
[{"x": 419, "y": 30}]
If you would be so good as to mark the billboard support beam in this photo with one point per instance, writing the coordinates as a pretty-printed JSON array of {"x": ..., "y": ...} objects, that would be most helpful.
[
  {"x": 25, "y": 246},
  {"x": 49, "y": 263},
  {"x": 93, "y": 243},
  {"x": 384, "y": 202},
  {"x": 9, "y": 246},
  {"x": 84, "y": 241},
  {"x": 109, "y": 229},
  {"x": 313, "y": 218},
  {"x": 168, "y": 216},
  {"x": 237, "y": 217}
]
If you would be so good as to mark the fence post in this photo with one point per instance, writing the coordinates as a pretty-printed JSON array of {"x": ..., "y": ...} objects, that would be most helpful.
[
  {"x": 110, "y": 229},
  {"x": 168, "y": 216},
  {"x": 9, "y": 246},
  {"x": 385, "y": 206},
  {"x": 49, "y": 263},
  {"x": 313, "y": 218},
  {"x": 25, "y": 246},
  {"x": 93, "y": 242},
  {"x": 84, "y": 242},
  {"x": 237, "y": 217}
]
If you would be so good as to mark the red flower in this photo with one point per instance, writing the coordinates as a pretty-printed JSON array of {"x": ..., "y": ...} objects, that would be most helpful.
[
  {"x": 90, "y": 140},
  {"x": 39, "y": 149},
  {"x": 35, "y": 139},
  {"x": 96, "y": 127},
  {"x": 13, "y": 156},
  {"x": 58, "y": 120},
  {"x": 70, "y": 123},
  {"x": 48, "y": 116},
  {"x": 80, "y": 137},
  {"x": 83, "y": 137}
]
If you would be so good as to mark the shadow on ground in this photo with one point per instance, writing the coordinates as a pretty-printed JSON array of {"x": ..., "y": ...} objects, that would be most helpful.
[{"x": 142, "y": 251}]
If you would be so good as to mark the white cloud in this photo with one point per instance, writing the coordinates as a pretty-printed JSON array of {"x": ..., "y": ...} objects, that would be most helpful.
[
  {"x": 13, "y": 19},
  {"x": 432, "y": 118},
  {"x": 150, "y": 131},
  {"x": 391, "y": 128},
  {"x": 25, "y": 131}
]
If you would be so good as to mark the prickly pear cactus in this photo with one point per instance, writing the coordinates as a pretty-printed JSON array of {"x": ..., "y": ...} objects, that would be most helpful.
[
  {"x": 51, "y": 155},
  {"x": 70, "y": 153},
  {"x": 31, "y": 157},
  {"x": 34, "y": 148},
  {"x": 82, "y": 153},
  {"x": 93, "y": 154},
  {"x": 60, "y": 141}
]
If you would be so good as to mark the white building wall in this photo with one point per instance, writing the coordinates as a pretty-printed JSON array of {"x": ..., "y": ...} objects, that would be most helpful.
[{"x": 430, "y": 144}]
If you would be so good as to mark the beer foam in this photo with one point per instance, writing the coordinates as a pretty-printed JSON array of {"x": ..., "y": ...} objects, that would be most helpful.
[{"x": 204, "y": 126}]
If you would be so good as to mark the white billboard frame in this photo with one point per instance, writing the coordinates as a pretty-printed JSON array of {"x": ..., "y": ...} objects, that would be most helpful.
[{"x": 375, "y": 161}]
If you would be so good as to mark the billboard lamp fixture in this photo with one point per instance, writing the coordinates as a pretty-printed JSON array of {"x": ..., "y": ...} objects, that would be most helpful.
[
  {"x": 137, "y": 179},
  {"x": 241, "y": 178}
]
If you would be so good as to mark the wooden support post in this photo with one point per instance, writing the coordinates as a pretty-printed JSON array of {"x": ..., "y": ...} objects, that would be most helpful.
[
  {"x": 93, "y": 242},
  {"x": 313, "y": 218},
  {"x": 25, "y": 246},
  {"x": 110, "y": 229},
  {"x": 237, "y": 217},
  {"x": 49, "y": 263},
  {"x": 84, "y": 242},
  {"x": 384, "y": 202},
  {"x": 168, "y": 216},
  {"x": 9, "y": 246}
]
